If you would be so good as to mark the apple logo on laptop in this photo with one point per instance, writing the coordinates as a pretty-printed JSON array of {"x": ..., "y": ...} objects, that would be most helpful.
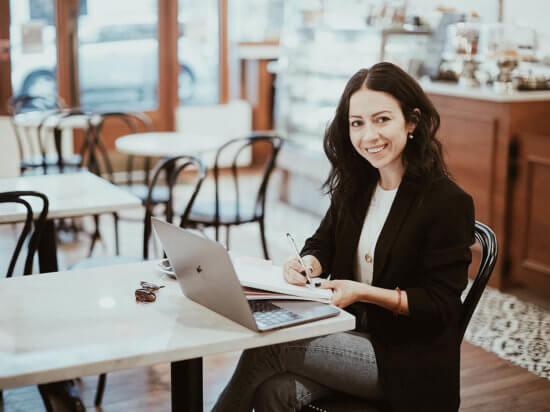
[{"x": 199, "y": 269}]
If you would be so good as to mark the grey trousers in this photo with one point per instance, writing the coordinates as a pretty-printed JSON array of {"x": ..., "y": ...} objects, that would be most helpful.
[{"x": 288, "y": 376}]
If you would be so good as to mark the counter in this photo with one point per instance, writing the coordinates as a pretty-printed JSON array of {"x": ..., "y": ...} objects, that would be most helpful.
[{"x": 483, "y": 93}]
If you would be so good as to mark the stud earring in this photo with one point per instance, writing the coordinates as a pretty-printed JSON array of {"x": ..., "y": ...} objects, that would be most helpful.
[{"x": 410, "y": 136}]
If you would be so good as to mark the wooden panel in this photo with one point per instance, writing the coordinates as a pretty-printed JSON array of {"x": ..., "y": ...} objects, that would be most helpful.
[
  {"x": 5, "y": 66},
  {"x": 469, "y": 145},
  {"x": 530, "y": 244}
]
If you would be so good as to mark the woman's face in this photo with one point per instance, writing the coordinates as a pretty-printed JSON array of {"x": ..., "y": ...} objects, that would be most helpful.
[{"x": 378, "y": 130}]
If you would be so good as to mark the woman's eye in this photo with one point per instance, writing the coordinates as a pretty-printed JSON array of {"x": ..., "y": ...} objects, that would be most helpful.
[
  {"x": 355, "y": 123},
  {"x": 382, "y": 119}
]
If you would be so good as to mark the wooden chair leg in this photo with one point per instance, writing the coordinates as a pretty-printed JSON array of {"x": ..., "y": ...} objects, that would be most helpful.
[
  {"x": 100, "y": 389},
  {"x": 264, "y": 243}
]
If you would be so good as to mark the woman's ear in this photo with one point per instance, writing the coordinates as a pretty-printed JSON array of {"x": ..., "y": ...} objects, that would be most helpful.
[{"x": 414, "y": 120}]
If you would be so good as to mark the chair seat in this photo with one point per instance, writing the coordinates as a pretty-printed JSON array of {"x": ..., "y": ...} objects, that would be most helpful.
[
  {"x": 99, "y": 261},
  {"x": 204, "y": 212},
  {"x": 160, "y": 194},
  {"x": 340, "y": 402}
]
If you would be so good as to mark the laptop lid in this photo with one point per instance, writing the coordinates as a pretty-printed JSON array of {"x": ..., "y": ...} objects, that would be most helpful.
[{"x": 205, "y": 272}]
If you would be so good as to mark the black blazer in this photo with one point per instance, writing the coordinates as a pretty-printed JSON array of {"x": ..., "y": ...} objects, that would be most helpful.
[{"x": 424, "y": 249}]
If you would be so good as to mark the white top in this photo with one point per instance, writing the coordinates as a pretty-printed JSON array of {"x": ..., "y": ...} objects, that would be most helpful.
[
  {"x": 69, "y": 195},
  {"x": 77, "y": 323},
  {"x": 377, "y": 214}
]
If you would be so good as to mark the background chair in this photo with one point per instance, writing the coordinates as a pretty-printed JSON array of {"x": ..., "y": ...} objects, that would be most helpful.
[
  {"x": 173, "y": 167},
  {"x": 247, "y": 206},
  {"x": 28, "y": 141},
  {"x": 99, "y": 163},
  {"x": 22, "y": 198},
  {"x": 489, "y": 251}
]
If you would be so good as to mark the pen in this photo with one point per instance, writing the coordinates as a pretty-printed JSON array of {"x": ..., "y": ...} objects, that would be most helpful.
[{"x": 291, "y": 239}]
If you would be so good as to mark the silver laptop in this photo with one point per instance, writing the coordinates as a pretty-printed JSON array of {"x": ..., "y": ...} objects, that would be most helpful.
[{"x": 207, "y": 276}]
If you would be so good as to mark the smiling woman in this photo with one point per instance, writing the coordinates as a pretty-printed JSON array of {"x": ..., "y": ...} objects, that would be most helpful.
[{"x": 390, "y": 196}]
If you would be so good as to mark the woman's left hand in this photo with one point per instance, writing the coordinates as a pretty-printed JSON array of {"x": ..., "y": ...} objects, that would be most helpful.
[{"x": 345, "y": 292}]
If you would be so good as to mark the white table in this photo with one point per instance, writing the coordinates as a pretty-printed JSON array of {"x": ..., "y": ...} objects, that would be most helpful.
[
  {"x": 69, "y": 195},
  {"x": 40, "y": 341},
  {"x": 167, "y": 144}
]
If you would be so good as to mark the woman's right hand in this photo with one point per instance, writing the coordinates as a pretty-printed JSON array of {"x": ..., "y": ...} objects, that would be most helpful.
[{"x": 292, "y": 269}]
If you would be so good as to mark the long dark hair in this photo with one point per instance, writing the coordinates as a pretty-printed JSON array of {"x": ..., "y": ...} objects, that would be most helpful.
[{"x": 351, "y": 174}]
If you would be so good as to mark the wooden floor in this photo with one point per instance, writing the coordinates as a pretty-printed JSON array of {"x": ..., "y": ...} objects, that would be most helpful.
[{"x": 488, "y": 383}]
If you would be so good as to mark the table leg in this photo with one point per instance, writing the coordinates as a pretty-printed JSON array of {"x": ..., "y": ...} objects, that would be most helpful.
[
  {"x": 186, "y": 379},
  {"x": 47, "y": 249},
  {"x": 66, "y": 391}
]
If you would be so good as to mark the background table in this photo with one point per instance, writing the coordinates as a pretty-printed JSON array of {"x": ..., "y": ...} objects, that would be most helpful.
[
  {"x": 163, "y": 144},
  {"x": 40, "y": 341},
  {"x": 69, "y": 195}
]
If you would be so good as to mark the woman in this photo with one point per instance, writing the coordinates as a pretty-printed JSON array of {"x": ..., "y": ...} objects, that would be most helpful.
[{"x": 396, "y": 240}]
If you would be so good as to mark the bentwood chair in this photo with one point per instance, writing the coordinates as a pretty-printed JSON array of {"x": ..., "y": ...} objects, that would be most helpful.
[
  {"x": 247, "y": 206},
  {"x": 173, "y": 167},
  {"x": 486, "y": 238},
  {"x": 29, "y": 144},
  {"x": 99, "y": 163},
  {"x": 24, "y": 198}
]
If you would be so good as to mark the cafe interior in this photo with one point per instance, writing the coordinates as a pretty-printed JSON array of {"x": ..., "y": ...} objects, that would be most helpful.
[{"x": 211, "y": 115}]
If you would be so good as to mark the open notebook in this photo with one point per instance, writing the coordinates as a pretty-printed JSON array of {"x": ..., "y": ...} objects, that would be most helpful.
[{"x": 262, "y": 280}]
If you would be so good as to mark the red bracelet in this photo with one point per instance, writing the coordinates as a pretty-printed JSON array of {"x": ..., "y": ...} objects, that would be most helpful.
[{"x": 398, "y": 309}]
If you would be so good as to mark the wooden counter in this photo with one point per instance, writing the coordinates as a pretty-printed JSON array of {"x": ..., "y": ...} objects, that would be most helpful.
[{"x": 498, "y": 150}]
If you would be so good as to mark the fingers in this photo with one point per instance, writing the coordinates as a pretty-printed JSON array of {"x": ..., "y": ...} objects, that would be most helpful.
[
  {"x": 327, "y": 284},
  {"x": 292, "y": 272}
]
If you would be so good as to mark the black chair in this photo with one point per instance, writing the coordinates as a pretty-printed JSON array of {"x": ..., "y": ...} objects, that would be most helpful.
[
  {"x": 31, "y": 151},
  {"x": 18, "y": 197},
  {"x": 99, "y": 163},
  {"x": 22, "y": 198},
  {"x": 486, "y": 238},
  {"x": 174, "y": 167},
  {"x": 242, "y": 209}
]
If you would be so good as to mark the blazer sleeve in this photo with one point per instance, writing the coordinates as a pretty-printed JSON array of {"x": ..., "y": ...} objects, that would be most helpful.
[
  {"x": 322, "y": 244},
  {"x": 443, "y": 269}
]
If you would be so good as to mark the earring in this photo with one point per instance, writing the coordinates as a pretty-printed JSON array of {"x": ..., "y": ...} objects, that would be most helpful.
[{"x": 410, "y": 136}]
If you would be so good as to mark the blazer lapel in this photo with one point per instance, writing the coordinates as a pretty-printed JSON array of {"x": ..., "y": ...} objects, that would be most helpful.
[{"x": 408, "y": 191}]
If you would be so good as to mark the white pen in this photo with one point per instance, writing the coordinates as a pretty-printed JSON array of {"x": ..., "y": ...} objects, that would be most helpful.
[{"x": 291, "y": 239}]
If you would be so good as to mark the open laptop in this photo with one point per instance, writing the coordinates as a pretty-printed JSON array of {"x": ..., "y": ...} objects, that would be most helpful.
[{"x": 207, "y": 276}]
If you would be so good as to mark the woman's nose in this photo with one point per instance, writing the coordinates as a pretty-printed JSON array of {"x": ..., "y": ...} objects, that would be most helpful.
[{"x": 370, "y": 132}]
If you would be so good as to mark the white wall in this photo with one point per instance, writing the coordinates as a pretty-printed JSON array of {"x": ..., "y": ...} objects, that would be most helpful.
[{"x": 9, "y": 154}]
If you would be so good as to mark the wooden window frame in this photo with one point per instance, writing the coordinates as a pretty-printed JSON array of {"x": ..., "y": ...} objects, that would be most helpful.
[{"x": 66, "y": 17}]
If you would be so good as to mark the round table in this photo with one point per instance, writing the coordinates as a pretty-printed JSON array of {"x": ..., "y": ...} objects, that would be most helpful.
[{"x": 167, "y": 144}]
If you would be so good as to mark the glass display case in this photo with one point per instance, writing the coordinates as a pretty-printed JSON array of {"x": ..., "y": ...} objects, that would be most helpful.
[{"x": 318, "y": 54}]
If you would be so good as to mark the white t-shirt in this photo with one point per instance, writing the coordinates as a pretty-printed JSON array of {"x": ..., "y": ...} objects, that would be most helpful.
[{"x": 377, "y": 214}]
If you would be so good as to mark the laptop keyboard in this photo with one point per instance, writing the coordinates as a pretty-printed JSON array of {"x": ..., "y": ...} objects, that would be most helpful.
[{"x": 267, "y": 314}]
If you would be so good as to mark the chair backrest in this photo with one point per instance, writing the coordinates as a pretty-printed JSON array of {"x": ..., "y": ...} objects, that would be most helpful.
[
  {"x": 135, "y": 122},
  {"x": 238, "y": 146},
  {"x": 172, "y": 167},
  {"x": 489, "y": 252},
  {"x": 29, "y": 145},
  {"x": 22, "y": 197}
]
